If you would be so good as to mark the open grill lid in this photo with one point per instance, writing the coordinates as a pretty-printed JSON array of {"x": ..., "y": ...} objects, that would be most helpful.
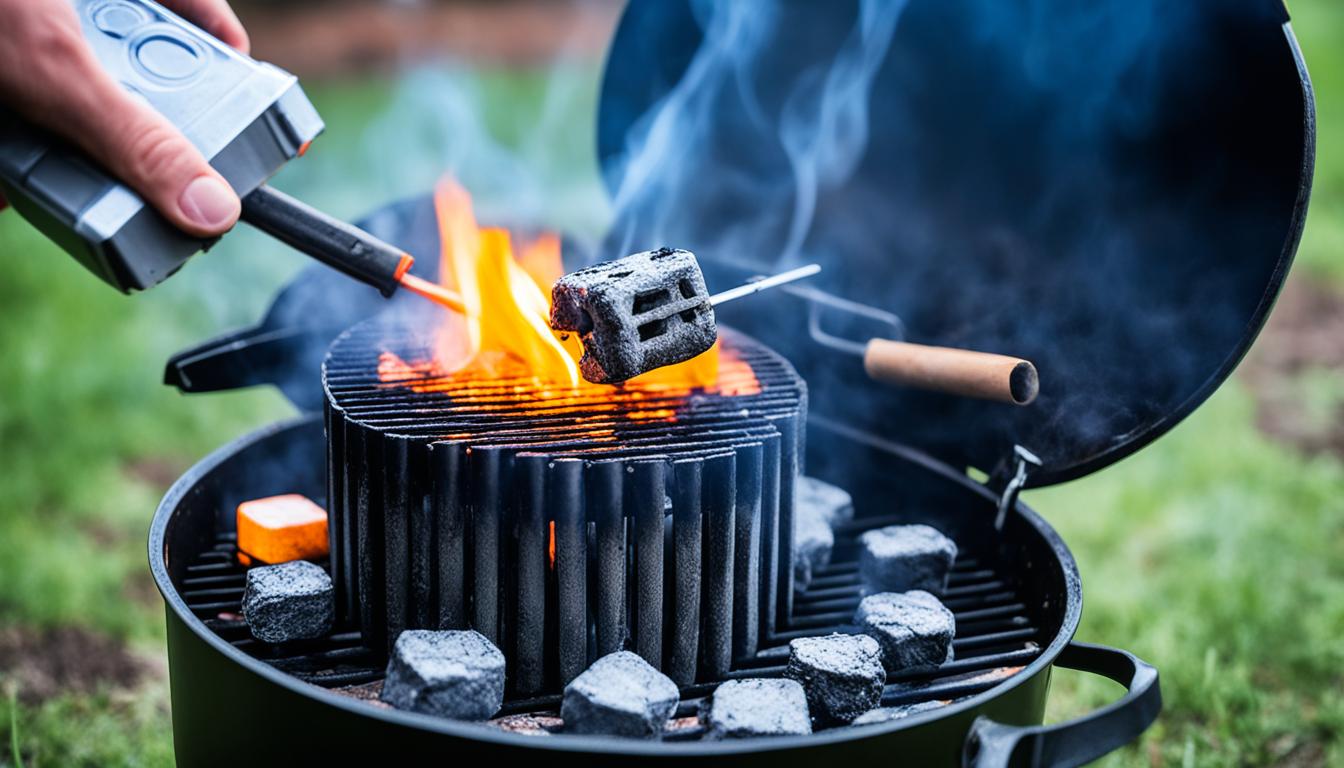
[{"x": 1113, "y": 190}]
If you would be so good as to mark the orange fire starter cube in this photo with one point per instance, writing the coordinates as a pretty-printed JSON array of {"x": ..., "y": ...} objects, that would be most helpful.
[{"x": 278, "y": 529}]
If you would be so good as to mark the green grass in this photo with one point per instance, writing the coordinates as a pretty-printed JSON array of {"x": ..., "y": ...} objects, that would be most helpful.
[
  {"x": 1320, "y": 30},
  {"x": 1216, "y": 553},
  {"x": 1219, "y": 557}
]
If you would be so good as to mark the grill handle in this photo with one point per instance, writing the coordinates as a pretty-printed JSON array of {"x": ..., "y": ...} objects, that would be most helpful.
[
  {"x": 954, "y": 371},
  {"x": 1082, "y": 740}
]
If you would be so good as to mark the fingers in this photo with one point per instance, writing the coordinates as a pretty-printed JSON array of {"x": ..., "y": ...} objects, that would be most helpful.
[
  {"x": 147, "y": 152},
  {"x": 215, "y": 17},
  {"x": 61, "y": 86}
]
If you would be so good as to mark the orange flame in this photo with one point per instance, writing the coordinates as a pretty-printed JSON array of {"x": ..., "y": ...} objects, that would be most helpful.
[{"x": 504, "y": 333}]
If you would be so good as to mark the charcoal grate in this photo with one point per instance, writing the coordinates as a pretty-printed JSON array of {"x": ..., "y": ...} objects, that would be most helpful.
[{"x": 995, "y": 635}]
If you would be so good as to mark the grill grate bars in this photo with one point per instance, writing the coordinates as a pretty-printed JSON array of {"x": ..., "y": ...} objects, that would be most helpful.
[{"x": 995, "y": 636}]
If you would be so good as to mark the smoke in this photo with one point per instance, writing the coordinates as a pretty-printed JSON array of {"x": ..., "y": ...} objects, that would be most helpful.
[
  {"x": 1075, "y": 183},
  {"x": 824, "y": 125}
]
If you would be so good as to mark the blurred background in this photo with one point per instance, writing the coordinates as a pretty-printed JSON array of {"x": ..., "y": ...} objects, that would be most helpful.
[{"x": 1217, "y": 553}]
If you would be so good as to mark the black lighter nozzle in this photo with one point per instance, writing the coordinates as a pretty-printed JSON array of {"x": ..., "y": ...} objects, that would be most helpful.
[{"x": 335, "y": 243}]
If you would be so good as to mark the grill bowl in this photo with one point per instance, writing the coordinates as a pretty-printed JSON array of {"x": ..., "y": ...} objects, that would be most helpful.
[{"x": 227, "y": 703}]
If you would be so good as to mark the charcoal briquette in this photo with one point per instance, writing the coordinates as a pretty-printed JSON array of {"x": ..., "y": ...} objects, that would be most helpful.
[
  {"x": 457, "y": 674},
  {"x": 842, "y": 675},
  {"x": 744, "y": 709},
  {"x": 832, "y": 503},
  {"x": 619, "y": 695},
  {"x": 813, "y": 541},
  {"x": 898, "y": 558},
  {"x": 914, "y": 628},
  {"x": 290, "y": 601},
  {"x": 635, "y": 314}
]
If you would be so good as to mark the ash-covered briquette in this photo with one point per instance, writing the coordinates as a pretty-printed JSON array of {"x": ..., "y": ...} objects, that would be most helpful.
[
  {"x": 887, "y": 714},
  {"x": 904, "y": 557},
  {"x": 842, "y": 675},
  {"x": 635, "y": 314},
  {"x": 817, "y": 508},
  {"x": 457, "y": 674},
  {"x": 813, "y": 541},
  {"x": 914, "y": 628},
  {"x": 290, "y": 601},
  {"x": 832, "y": 503},
  {"x": 619, "y": 695},
  {"x": 745, "y": 709}
]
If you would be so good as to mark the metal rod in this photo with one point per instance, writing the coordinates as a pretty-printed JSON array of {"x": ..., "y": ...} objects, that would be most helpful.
[
  {"x": 485, "y": 488},
  {"x": 449, "y": 461},
  {"x": 720, "y": 502},
  {"x": 603, "y": 483},
  {"x": 396, "y": 532},
  {"x": 747, "y": 552},
  {"x": 564, "y": 496},
  {"x": 530, "y": 488},
  {"x": 645, "y": 497},
  {"x": 756, "y": 286},
  {"x": 684, "y": 636}
]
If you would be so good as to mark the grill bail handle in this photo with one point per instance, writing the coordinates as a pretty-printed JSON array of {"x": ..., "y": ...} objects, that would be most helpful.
[
  {"x": 1080, "y": 741},
  {"x": 954, "y": 371},
  {"x": 333, "y": 242}
]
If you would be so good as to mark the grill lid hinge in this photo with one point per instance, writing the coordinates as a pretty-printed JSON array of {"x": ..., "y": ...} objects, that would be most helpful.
[{"x": 1021, "y": 458}]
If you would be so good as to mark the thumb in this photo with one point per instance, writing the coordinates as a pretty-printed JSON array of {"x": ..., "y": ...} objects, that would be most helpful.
[
  {"x": 140, "y": 147},
  {"x": 136, "y": 144}
]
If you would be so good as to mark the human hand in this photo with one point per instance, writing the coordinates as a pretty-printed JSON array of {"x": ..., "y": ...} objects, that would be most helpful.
[{"x": 50, "y": 76}]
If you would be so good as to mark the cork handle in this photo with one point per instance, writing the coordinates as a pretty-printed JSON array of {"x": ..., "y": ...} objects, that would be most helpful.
[{"x": 953, "y": 371}]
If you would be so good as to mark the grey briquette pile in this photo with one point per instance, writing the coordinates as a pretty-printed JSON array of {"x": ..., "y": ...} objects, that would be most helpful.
[
  {"x": 290, "y": 601},
  {"x": 744, "y": 709},
  {"x": 903, "y": 557},
  {"x": 842, "y": 675},
  {"x": 457, "y": 674},
  {"x": 619, "y": 695},
  {"x": 914, "y": 628},
  {"x": 635, "y": 314}
]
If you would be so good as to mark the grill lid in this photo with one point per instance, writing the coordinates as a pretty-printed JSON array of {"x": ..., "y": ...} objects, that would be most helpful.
[{"x": 1114, "y": 191}]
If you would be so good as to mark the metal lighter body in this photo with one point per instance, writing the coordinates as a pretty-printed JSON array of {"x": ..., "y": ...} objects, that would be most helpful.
[{"x": 247, "y": 117}]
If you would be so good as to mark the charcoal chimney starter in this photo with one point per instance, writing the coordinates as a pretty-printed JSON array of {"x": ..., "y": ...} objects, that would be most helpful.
[{"x": 562, "y": 525}]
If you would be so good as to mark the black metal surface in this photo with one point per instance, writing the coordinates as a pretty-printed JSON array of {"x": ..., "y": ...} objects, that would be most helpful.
[
  {"x": 1113, "y": 190},
  {"x": 339, "y": 245},
  {"x": 231, "y": 693}
]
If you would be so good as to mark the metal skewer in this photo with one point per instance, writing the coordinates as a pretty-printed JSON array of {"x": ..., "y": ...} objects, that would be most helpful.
[{"x": 756, "y": 286}]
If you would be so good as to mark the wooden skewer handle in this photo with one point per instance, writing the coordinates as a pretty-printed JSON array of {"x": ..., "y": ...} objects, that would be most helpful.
[{"x": 954, "y": 371}]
